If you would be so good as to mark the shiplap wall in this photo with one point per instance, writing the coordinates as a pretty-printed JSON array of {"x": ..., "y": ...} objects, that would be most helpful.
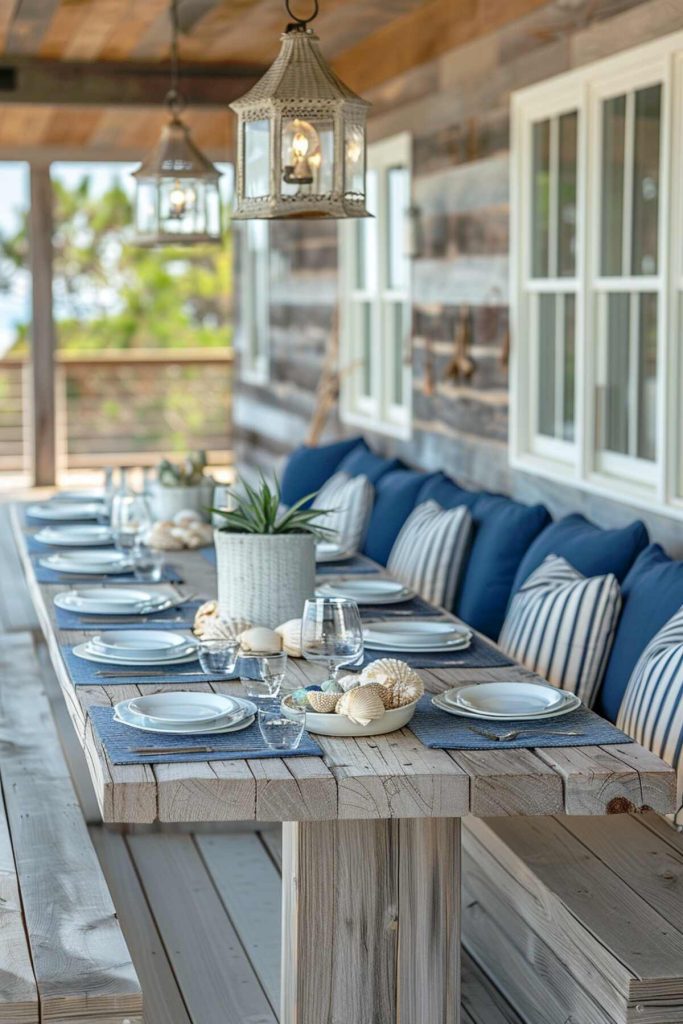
[{"x": 457, "y": 108}]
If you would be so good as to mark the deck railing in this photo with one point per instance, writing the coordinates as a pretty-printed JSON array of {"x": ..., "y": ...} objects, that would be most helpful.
[{"x": 119, "y": 407}]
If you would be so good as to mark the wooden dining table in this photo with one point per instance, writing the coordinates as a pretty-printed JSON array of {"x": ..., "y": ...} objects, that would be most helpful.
[{"x": 371, "y": 831}]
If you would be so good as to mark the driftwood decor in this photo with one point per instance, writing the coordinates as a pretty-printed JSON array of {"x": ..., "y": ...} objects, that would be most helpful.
[
  {"x": 462, "y": 365},
  {"x": 327, "y": 391}
]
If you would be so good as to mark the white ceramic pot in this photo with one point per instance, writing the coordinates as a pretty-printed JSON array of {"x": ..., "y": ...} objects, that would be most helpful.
[
  {"x": 165, "y": 501},
  {"x": 265, "y": 579}
]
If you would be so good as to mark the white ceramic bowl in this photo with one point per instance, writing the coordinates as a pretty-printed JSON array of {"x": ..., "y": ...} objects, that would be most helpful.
[{"x": 340, "y": 725}]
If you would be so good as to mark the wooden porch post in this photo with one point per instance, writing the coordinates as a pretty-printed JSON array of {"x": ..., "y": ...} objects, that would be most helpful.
[{"x": 43, "y": 434}]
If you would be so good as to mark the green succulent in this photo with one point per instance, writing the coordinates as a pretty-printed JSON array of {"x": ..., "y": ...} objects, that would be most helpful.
[
  {"x": 259, "y": 511},
  {"x": 187, "y": 473}
]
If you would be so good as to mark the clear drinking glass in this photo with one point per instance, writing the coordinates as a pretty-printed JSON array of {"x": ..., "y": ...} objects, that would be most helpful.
[
  {"x": 130, "y": 519},
  {"x": 332, "y": 633},
  {"x": 218, "y": 657},
  {"x": 279, "y": 731},
  {"x": 262, "y": 675},
  {"x": 148, "y": 563}
]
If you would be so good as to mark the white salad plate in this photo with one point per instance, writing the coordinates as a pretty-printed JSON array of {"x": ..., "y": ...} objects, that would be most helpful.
[
  {"x": 507, "y": 699},
  {"x": 416, "y": 635},
  {"x": 87, "y": 494},
  {"x": 90, "y": 653},
  {"x": 187, "y": 708},
  {"x": 54, "y": 511},
  {"x": 340, "y": 725},
  {"x": 241, "y": 718},
  {"x": 326, "y": 551},
  {"x": 148, "y": 644},
  {"x": 111, "y": 601},
  {"x": 367, "y": 591},
  {"x": 571, "y": 704},
  {"x": 86, "y": 562},
  {"x": 83, "y": 535}
]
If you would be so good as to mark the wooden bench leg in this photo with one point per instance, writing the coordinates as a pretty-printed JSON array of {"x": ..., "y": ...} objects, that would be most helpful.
[{"x": 371, "y": 922}]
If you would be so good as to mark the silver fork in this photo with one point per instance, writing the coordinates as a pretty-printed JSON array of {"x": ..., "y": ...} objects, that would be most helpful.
[{"x": 514, "y": 734}]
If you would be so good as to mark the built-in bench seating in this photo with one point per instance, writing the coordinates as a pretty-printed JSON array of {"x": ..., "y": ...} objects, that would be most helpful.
[{"x": 63, "y": 957}]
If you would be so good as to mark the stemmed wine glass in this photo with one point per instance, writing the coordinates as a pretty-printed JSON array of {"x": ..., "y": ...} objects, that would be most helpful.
[
  {"x": 331, "y": 632},
  {"x": 130, "y": 519}
]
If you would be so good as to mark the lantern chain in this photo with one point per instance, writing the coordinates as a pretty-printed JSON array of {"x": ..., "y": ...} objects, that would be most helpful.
[
  {"x": 297, "y": 24},
  {"x": 174, "y": 97}
]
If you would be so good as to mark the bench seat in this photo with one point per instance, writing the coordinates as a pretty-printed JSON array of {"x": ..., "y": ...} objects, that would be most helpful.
[
  {"x": 63, "y": 957},
  {"x": 578, "y": 919}
]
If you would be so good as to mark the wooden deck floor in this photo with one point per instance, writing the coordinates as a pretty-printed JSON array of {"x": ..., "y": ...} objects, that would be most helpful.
[{"x": 201, "y": 915}]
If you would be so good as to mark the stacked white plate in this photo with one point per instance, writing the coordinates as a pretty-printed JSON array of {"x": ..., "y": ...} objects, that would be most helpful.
[
  {"x": 85, "y": 563},
  {"x": 148, "y": 647},
  {"x": 417, "y": 635},
  {"x": 63, "y": 511},
  {"x": 82, "y": 536},
  {"x": 500, "y": 701},
  {"x": 326, "y": 551},
  {"x": 86, "y": 494},
  {"x": 375, "y": 591},
  {"x": 187, "y": 713},
  {"x": 112, "y": 601}
]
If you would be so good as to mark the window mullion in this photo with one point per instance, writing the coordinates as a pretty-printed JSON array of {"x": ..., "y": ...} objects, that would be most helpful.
[
  {"x": 633, "y": 374},
  {"x": 553, "y": 193},
  {"x": 629, "y": 166}
]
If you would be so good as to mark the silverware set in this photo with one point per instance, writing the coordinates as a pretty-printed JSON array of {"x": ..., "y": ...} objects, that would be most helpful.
[
  {"x": 186, "y": 750},
  {"x": 514, "y": 734}
]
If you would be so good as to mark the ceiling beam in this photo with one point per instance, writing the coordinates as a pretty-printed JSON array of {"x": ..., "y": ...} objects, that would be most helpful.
[{"x": 110, "y": 84}]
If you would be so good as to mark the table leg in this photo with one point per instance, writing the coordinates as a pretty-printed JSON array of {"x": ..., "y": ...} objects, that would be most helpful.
[{"x": 371, "y": 922}]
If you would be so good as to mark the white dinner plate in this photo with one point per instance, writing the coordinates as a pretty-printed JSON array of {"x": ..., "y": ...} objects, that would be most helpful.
[
  {"x": 507, "y": 699},
  {"x": 83, "y": 535},
  {"x": 86, "y": 652},
  {"x": 184, "y": 708},
  {"x": 54, "y": 511},
  {"x": 379, "y": 591},
  {"x": 87, "y": 494},
  {"x": 326, "y": 551},
  {"x": 111, "y": 601},
  {"x": 242, "y": 719},
  {"x": 416, "y": 635},
  {"x": 149, "y": 644},
  {"x": 87, "y": 562},
  {"x": 570, "y": 705}
]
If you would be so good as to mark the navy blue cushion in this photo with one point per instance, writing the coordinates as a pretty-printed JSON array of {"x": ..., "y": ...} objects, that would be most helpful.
[
  {"x": 395, "y": 498},
  {"x": 307, "y": 469},
  {"x": 590, "y": 549},
  {"x": 363, "y": 462},
  {"x": 652, "y": 592},
  {"x": 503, "y": 531}
]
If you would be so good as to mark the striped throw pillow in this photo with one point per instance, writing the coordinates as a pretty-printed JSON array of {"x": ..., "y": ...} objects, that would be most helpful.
[
  {"x": 349, "y": 499},
  {"x": 652, "y": 707},
  {"x": 429, "y": 552},
  {"x": 561, "y": 625}
]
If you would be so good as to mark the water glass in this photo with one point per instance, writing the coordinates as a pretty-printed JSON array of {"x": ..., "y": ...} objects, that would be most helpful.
[
  {"x": 130, "y": 519},
  {"x": 218, "y": 657},
  {"x": 279, "y": 731},
  {"x": 262, "y": 675},
  {"x": 148, "y": 563},
  {"x": 332, "y": 633}
]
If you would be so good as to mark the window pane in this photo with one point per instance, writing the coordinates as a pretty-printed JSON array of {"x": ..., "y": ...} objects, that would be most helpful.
[
  {"x": 566, "y": 228},
  {"x": 364, "y": 314},
  {"x": 256, "y": 158},
  {"x": 647, "y": 378},
  {"x": 646, "y": 180},
  {"x": 615, "y": 437},
  {"x": 399, "y": 320},
  {"x": 540, "y": 198},
  {"x": 547, "y": 368},
  {"x": 613, "y": 129},
  {"x": 398, "y": 201},
  {"x": 365, "y": 231},
  {"x": 569, "y": 366}
]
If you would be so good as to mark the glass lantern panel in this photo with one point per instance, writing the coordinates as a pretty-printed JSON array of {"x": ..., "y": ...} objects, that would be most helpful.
[
  {"x": 256, "y": 158},
  {"x": 307, "y": 157},
  {"x": 146, "y": 208},
  {"x": 354, "y": 161},
  {"x": 188, "y": 206}
]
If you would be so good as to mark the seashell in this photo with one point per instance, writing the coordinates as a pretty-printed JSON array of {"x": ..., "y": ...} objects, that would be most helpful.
[
  {"x": 203, "y": 531},
  {"x": 323, "y": 703},
  {"x": 217, "y": 628},
  {"x": 400, "y": 683},
  {"x": 361, "y": 705},
  {"x": 186, "y": 517},
  {"x": 330, "y": 686},
  {"x": 349, "y": 682},
  {"x": 299, "y": 697},
  {"x": 290, "y": 632},
  {"x": 162, "y": 536},
  {"x": 203, "y": 615},
  {"x": 260, "y": 640}
]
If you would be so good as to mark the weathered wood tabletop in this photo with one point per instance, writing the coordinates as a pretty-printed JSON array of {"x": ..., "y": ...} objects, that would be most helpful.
[{"x": 372, "y": 833}]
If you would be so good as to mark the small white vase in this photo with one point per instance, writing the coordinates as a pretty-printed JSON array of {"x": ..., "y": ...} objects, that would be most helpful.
[
  {"x": 265, "y": 579},
  {"x": 167, "y": 501}
]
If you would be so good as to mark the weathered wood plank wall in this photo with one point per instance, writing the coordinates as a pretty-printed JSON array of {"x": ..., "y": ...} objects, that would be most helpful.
[{"x": 456, "y": 105}]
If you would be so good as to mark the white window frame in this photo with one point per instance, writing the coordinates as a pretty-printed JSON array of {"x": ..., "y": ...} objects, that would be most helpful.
[
  {"x": 254, "y": 335},
  {"x": 653, "y": 485},
  {"x": 375, "y": 411}
]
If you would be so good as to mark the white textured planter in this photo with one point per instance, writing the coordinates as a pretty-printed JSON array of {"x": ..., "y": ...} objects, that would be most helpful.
[
  {"x": 167, "y": 501},
  {"x": 265, "y": 579}
]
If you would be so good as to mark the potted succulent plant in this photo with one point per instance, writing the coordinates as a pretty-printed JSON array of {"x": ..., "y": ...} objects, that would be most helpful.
[
  {"x": 265, "y": 555},
  {"x": 180, "y": 486}
]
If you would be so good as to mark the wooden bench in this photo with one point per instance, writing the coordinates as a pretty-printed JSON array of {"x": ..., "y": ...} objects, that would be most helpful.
[
  {"x": 579, "y": 919},
  {"x": 63, "y": 957}
]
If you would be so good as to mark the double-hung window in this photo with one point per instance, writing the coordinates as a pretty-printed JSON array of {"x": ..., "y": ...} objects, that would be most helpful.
[
  {"x": 255, "y": 311},
  {"x": 375, "y": 308},
  {"x": 597, "y": 276}
]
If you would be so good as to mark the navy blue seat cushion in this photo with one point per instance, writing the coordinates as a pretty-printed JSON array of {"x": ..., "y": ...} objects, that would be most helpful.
[
  {"x": 307, "y": 469},
  {"x": 503, "y": 531},
  {"x": 395, "y": 498},
  {"x": 652, "y": 593},
  {"x": 361, "y": 461},
  {"x": 590, "y": 549}
]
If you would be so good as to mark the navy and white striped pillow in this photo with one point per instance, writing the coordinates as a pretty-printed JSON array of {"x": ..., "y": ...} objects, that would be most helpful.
[
  {"x": 349, "y": 499},
  {"x": 652, "y": 707},
  {"x": 561, "y": 625},
  {"x": 429, "y": 552}
]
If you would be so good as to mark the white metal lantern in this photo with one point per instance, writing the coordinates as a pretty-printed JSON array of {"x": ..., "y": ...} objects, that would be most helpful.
[
  {"x": 177, "y": 198},
  {"x": 301, "y": 137}
]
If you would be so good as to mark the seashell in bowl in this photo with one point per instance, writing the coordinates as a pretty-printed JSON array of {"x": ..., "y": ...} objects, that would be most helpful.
[
  {"x": 260, "y": 640},
  {"x": 290, "y": 632},
  {"x": 323, "y": 703},
  {"x": 400, "y": 683},
  {"x": 362, "y": 705}
]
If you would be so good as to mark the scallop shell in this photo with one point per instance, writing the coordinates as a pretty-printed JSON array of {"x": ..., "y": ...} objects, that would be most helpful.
[
  {"x": 203, "y": 615},
  {"x": 186, "y": 517},
  {"x": 162, "y": 536},
  {"x": 400, "y": 683},
  {"x": 217, "y": 628},
  {"x": 361, "y": 705},
  {"x": 290, "y": 632},
  {"x": 323, "y": 703},
  {"x": 260, "y": 640}
]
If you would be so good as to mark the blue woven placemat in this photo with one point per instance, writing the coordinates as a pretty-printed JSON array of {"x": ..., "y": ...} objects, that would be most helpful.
[
  {"x": 43, "y": 575},
  {"x": 36, "y": 548},
  {"x": 356, "y": 565},
  {"x": 209, "y": 554},
  {"x": 117, "y": 739},
  {"x": 416, "y": 606},
  {"x": 85, "y": 673},
  {"x": 439, "y": 730},
  {"x": 479, "y": 654},
  {"x": 178, "y": 618}
]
